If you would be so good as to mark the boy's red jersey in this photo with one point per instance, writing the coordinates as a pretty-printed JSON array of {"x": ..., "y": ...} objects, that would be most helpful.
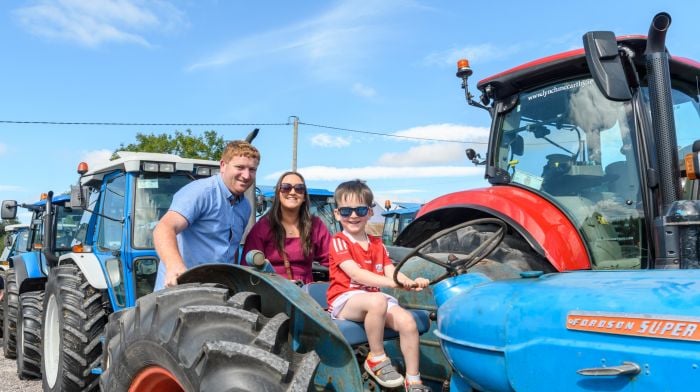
[{"x": 343, "y": 248}]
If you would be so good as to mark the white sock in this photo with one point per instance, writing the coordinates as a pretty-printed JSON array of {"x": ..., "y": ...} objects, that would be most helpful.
[
  {"x": 377, "y": 358},
  {"x": 411, "y": 379}
]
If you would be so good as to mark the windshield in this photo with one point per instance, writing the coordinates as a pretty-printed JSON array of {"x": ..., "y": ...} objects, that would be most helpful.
[
  {"x": 154, "y": 193},
  {"x": 322, "y": 207},
  {"x": 570, "y": 143},
  {"x": 21, "y": 242},
  {"x": 67, "y": 222}
]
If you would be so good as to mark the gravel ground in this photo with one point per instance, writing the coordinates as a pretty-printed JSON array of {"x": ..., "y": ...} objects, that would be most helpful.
[{"x": 8, "y": 377}]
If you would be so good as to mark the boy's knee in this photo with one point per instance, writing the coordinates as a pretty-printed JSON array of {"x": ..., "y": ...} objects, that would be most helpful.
[
  {"x": 378, "y": 302},
  {"x": 406, "y": 323}
]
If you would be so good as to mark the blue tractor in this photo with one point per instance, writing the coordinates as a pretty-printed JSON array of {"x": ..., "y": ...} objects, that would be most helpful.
[
  {"x": 112, "y": 261},
  {"x": 534, "y": 288},
  {"x": 396, "y": 218},
  {"x": 26, "y": 278},
  {"x": 16, "y": 242}
]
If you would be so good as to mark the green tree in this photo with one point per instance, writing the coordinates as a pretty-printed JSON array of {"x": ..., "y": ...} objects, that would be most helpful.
[
  {"x": 207, "y": 146},
  {"x": 3, "y": 233}
]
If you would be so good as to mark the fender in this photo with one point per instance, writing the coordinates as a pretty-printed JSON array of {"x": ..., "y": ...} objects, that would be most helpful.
[
  {"x": 338, "y": 369},
  {"x": 90, "y": 265},
  {"x": 28, "y": 272},
  {"x": 544, "y": 226}
]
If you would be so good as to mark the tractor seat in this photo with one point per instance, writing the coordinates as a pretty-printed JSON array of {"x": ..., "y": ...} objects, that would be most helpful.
[{"x": 354, "y": 332}]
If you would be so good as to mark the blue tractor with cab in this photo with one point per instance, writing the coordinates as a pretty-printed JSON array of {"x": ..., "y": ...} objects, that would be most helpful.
[{"x": 26, "y": 278}]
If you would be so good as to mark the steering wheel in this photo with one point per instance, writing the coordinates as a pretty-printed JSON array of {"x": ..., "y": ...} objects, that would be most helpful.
[{"x": 456, "y": 265}]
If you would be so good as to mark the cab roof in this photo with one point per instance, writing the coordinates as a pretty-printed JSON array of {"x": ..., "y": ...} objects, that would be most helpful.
[
  {"x": 570, "y": 64},
  {"x": 129, "y": 161},
  {"x": 16, "y": 227}
]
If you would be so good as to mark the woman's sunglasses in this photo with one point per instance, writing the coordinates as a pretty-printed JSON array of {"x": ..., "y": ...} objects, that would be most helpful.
[
  {"x": 345, "y": 212},
  {"x": 298, "y": 188}
]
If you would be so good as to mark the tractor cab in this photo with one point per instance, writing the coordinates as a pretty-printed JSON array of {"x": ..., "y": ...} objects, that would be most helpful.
[{"x": 555, "y": 133}]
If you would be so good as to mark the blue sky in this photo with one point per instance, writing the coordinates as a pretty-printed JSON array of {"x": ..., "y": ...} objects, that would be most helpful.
[{"x": 372, "y": 66}]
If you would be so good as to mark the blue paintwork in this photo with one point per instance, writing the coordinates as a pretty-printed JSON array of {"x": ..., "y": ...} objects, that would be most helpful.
[
  {"x": 520, "y": 341},
  {"x": 32, "y": 262}
]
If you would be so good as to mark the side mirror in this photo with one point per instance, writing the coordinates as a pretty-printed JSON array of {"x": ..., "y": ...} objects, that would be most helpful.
[
  {"x": 9, "y": 209},
  {"x": 604, "y": 62},
  {"x": 78, "y": 197},
  {"x": 473, "y": 156}
]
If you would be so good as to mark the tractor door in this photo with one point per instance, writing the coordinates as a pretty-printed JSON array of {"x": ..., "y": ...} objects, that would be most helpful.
[
  {"x": 577, "y": 149},
  {"x": 111, "y": 237}
]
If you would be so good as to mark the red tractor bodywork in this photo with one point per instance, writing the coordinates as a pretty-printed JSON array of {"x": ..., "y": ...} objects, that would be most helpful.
[{"x": 546, "y": 228}]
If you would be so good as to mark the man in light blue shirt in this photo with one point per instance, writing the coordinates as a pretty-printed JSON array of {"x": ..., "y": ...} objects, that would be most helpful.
[{"x": 207, "y": 217}]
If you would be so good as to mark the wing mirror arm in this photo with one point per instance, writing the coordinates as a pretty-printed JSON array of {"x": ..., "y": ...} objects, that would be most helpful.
[{"x": 474, "y": 157}]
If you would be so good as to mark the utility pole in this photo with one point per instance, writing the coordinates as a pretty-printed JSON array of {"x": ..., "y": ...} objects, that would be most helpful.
[{"x": 294, "y": 143}]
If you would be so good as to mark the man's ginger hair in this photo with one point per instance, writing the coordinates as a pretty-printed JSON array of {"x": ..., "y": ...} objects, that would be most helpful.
[{"x": 240, "y": 148}]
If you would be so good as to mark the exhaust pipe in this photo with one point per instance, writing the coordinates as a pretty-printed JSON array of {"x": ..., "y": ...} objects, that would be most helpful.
[{"x": 662, "y": 120}]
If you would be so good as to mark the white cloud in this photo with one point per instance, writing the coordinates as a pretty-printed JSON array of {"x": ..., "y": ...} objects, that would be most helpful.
[
  {"x": 95, "y": 22},
  {"x": 475, "y": 54},
  {"x": 426, "y": 154},
  {"x": 326, "y": 140},
  {"x": 330, "y": 173},
  {"x": 96, "y": 158},
  {"x": 454, "y": 132},
  {"x": 329, "y": 46},
  {"x": 11, "y": 188},
  {"x": 432, "y": 151},
  {"x": 363, "y": 91}
]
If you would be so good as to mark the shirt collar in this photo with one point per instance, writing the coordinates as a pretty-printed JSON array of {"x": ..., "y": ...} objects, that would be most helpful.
[
  {"x": 235, "y": 199},
  {"x": 352, "y": 239},
  {"x": 230, "y": 196}
]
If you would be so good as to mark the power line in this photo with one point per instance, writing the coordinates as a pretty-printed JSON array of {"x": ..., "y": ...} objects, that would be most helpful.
[
  {"x": 121, "y": 124},
  {"x": 131, "y": 124}
]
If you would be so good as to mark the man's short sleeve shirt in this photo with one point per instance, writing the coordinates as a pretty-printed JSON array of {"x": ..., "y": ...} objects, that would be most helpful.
[{"x": 216, "y": 222}]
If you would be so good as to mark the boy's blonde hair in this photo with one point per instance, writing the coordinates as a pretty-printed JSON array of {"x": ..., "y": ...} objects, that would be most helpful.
[
  {"x": 357, "y": 188},
  {"x": 240, "y": 148}
]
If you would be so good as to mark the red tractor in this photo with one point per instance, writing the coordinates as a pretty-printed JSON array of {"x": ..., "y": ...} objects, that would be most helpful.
[{"x": 583, "y": 156}]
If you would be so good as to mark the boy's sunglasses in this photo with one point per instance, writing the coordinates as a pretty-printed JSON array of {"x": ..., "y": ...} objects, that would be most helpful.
[
  {"x": 345, "y": 212},
  {"x": 298, "y": 188}
]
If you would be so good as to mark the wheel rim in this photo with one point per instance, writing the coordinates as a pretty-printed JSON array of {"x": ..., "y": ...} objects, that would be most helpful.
[
  {"x": 51, "y": 342},
  {"x": 155, "y": 378}
]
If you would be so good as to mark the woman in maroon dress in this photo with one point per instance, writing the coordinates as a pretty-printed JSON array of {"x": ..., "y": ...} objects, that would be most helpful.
[{"x": 289, "y": 236}]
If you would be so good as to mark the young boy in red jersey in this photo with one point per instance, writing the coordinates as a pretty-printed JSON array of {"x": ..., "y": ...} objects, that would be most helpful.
[{"x": 359, "y": 266}]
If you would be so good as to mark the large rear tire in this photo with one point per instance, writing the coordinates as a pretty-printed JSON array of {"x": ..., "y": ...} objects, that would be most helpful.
[
  {"x": 74, "y": 319},
  {"x": 11, "y": 299},
  {"x": 31, "y": 305},
  {"x": 195, "y": 338}
]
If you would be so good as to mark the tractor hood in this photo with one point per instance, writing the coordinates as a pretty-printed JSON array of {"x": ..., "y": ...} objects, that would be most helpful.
[{"x": 538, "y": 333}]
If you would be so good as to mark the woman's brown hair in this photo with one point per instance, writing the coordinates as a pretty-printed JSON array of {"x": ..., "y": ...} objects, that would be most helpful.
[{"x": 305, "y": 218}]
